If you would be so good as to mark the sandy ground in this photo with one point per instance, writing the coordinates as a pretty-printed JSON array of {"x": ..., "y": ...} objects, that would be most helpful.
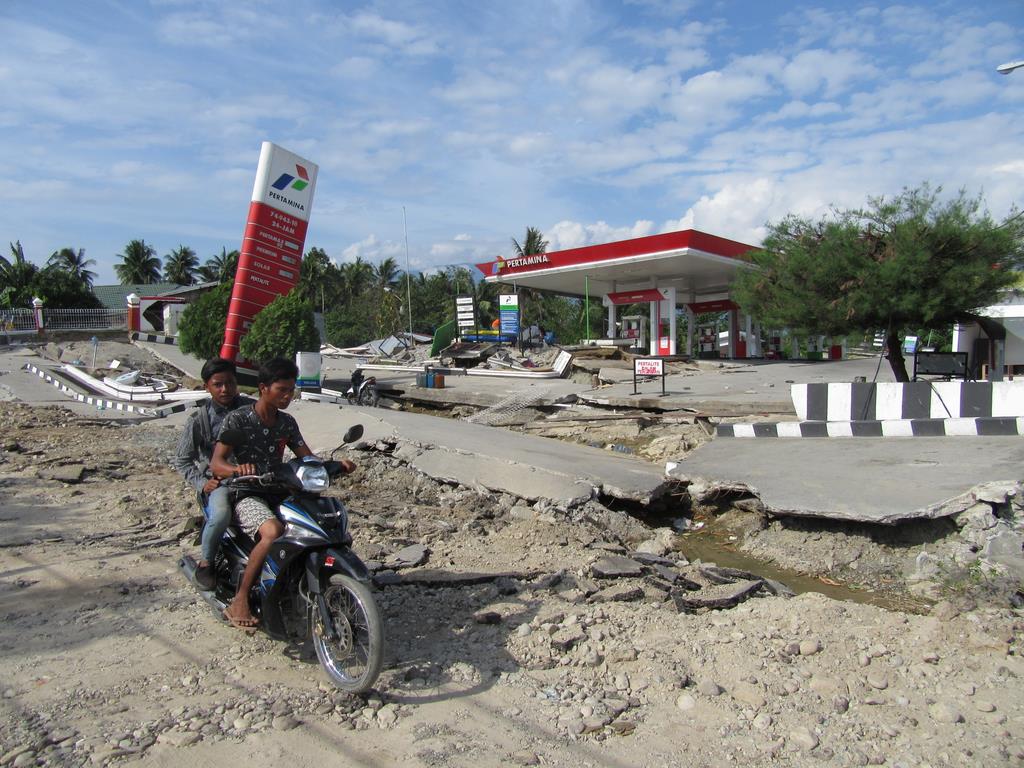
[{"x": 108, "y": 656}]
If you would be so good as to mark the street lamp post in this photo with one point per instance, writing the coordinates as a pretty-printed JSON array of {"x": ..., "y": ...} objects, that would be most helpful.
[{"x": 1008, "y": 67}]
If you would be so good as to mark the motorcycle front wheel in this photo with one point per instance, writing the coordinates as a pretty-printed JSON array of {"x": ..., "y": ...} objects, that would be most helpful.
[{"x": 352, "y": 660}]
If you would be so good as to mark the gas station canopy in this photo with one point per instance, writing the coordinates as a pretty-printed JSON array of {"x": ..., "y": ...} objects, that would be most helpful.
[
  {"x": 699, "y": 266},
  {"x": 691, "y": 268}
]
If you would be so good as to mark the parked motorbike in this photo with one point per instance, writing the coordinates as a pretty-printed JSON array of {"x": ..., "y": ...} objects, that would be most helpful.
[
  {"x": 312, "y": 586},
  {"x": 362, "y": 390}
]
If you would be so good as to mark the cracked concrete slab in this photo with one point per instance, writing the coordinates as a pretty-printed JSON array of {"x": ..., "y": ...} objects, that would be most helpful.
[
  {"x": 534, "y": 468},
  {"x": 869, "y": 480}
]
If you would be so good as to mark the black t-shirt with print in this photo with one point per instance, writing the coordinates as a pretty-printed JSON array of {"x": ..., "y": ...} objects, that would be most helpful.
[{"x": 264, "y": 446}]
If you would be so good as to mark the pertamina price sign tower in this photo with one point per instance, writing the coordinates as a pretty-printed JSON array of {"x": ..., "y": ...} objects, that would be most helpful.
[{"x": 272, "y": 246}]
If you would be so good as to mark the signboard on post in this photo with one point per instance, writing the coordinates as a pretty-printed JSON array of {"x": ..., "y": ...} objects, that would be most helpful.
[
  {"x": 465, "y": 313},
  {"x": 648, "y": 366},
  {"x": 508, "y": 309},
  {"x": 275, "y": 235}
]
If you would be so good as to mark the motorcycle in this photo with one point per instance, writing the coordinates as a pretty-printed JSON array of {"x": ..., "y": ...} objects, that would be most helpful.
[
  {"x": 312, "y": 585},
  {"x": 362, "y": 390}
]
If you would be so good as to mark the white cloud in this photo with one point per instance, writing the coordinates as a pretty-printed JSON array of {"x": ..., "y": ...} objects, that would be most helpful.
[
  {"x": 373, "y": 250},
  {"x": 356, "y": 68},
  {"x": 812, "y": 70},
  {"x": 478, "y": 88},
  {"x": 715, "y": 97},
  {"x": 397, "y": 35},
  {"x": 574, "y": 234},
  {"x": 737, "y": 211},
  {"x": 602, "y": 88},
  {"x": 801, "y": 110}
]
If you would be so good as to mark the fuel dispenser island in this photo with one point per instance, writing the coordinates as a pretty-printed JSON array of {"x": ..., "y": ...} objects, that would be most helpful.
[
  {"x": 708, "y": 341},
  {"x": 635, "y": 327}
]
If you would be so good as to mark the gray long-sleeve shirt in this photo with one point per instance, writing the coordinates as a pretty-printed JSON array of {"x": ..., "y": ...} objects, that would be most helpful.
[{"x": 195, "y": 446}]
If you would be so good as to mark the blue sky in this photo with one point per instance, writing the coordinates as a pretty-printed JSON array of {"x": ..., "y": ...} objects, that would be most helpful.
[{"x": 593, "y": 121}]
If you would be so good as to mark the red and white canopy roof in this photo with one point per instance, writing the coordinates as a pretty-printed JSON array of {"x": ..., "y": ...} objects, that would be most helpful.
[{"x": 696, "y": 264}]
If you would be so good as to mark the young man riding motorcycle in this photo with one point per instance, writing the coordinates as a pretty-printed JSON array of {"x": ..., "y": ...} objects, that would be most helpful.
[
  {"x": 195, "y": 449},
  {"x": 267, "y": 430}
]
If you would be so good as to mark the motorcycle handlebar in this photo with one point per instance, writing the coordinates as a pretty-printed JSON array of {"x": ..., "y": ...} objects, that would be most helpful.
[{"x": 239, "y": 479}]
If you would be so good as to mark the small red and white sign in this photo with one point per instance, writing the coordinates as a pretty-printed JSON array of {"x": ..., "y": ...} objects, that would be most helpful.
[{"x": 649, "y": 367}]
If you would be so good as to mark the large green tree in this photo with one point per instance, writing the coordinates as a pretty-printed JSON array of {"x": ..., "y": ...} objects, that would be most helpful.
[
  {"x": 139, "y": 264},
  {"x": 319, "y": 279},
  {"x": 60, "y": 289},
  {"x": 180, "y": 266},
  {"x": 913, "y": 261},
  {"x": 74, "y": 263}
]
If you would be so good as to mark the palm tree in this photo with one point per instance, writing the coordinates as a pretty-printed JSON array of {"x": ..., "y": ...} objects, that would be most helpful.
[
  {"x": 16, "y": 278},
  {"x": 533, "y": 243},
  {"x": 356, "y": 276},
  {"x": 531, "y": 305},
  {"x": 180, "y": 266},
  {"x": 74, "y": 263},
  {"x": 220, "y": 268},
  {"x": 386, "y": 273},
  {"x": 139, "y": 264}
]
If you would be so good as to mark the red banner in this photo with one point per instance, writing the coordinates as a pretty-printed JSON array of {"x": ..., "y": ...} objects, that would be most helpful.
[
  {"x": 719, "y": 305},
  {"x": 636, "y": 297}
]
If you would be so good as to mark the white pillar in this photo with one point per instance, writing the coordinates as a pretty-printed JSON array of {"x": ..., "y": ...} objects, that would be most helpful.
[
  {"x": 37, "y": 313},
  {"x": 611, "y": 316},
  {"x": 652, "y": 329},
  {"x": 734, "y": 332},
  {"x": 668, "y": 306},
  {"x": 691, "y": 331}
]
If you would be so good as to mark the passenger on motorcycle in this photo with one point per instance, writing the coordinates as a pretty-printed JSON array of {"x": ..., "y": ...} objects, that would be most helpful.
[
  {"x": 267, "y": 430},
  {"x": 195, "y": 449}
]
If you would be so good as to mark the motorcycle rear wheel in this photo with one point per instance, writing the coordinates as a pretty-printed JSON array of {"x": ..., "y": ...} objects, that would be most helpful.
[
  {"x": 369, "y": 396},
  {"x": 354, "y": 659}
]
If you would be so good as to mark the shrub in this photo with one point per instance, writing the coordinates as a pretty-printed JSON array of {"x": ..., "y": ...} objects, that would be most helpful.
[
  {"x": 282, "y": 328},
  {"x": 201, "y": 327}
]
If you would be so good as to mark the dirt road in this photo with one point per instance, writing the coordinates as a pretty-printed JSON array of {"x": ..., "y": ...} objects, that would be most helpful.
[{"x": 109, "y": 657}]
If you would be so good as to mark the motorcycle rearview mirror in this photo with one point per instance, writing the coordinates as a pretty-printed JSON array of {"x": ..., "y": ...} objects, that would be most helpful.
[
  {"x": 351, "y": 435},
  {"x": 232, "y": 437}
]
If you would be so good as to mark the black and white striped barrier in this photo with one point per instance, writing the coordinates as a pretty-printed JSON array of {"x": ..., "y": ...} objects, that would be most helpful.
[
  {"x": 915, "y": 400},
  {"x": 104, "y": 403},
  {"x": 984, "y": 426},
  {"x": 153, "y": 338}
]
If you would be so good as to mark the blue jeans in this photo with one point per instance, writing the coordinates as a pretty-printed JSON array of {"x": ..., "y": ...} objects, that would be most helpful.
[{"x": 218, "y": 517}]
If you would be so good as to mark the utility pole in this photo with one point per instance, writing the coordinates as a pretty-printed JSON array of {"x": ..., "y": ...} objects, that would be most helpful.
[{"x": 408, "y": 277}]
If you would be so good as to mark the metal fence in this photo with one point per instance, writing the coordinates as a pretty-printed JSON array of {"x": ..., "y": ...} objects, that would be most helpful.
[
  {"x": 17, "y": 321},
  {"x": 22, "y": 321},
  {"x": 84, "y": 319}
]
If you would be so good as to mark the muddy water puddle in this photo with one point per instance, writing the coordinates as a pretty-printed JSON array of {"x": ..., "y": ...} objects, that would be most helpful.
[{"x": 710, "y": 547}]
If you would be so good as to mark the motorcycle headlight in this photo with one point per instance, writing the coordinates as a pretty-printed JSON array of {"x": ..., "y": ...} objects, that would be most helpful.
[{"x": 313, "y": 478}]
